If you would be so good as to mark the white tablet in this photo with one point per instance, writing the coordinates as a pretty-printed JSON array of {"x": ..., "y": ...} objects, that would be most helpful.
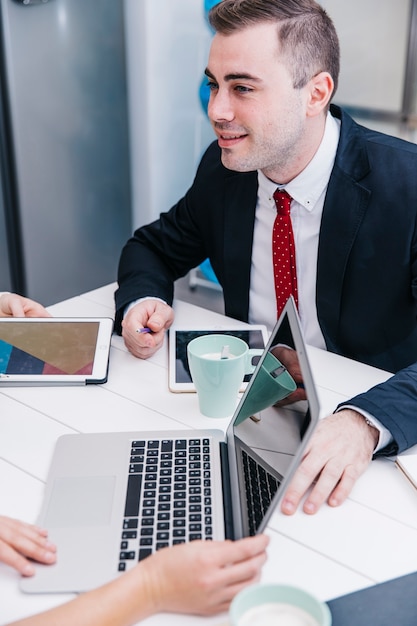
[
  {"x": 54, "y": 350},
  {"x": 256, "y": 336}
]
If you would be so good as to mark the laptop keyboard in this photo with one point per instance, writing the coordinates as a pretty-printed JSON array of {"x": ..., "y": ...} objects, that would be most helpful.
[
  {"x": 168, "y": 498},
  {"x": 260, "y": 487}
]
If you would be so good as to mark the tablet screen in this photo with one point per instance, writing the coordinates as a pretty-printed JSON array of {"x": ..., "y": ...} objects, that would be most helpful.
[{"x": 53, "y": 349}]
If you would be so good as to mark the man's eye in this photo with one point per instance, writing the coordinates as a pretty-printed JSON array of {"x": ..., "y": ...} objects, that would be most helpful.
[
  {"x": 242, "y": 89},
  {"x": 211, "y": 85}
]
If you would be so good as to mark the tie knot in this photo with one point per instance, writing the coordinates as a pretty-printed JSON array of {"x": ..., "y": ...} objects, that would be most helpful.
[{"x": 282, "y": 201}]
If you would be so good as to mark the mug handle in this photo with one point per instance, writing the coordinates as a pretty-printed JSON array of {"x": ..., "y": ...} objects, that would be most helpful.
[{"x": 251, "y": 353}]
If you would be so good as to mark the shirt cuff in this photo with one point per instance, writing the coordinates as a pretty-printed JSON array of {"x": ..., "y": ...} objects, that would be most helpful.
[{"x": 135, "y": 302}]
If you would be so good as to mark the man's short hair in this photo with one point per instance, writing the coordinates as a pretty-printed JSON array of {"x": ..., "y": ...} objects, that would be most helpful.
[{"x": 306, "y": 35}]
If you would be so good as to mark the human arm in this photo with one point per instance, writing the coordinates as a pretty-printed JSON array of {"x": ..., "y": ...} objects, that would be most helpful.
[
  {"x": 13, "y": 305},
  {"x": 149, "y": 265},
  {"x": 213, "y": 220},
  {"x": 198, "y": 578},
  {"x": 338, "y": 453},
  {"x": 20, "y": 542},
  {"x": 393, "y": 403},
  {"x": 159, "y": 253},
  {"x": 152, "y": 314},
  {"x": 340, "y": 449}
]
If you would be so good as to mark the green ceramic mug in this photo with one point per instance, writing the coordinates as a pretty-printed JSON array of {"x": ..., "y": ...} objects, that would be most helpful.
[
  {"x": 270, "y": 605},
  {"x": 272, "y": 384},
  {"x": 218, "y": 364}
]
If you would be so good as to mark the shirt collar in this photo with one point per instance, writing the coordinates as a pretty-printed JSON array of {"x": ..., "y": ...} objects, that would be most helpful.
[{"x": 308, "y": 186}]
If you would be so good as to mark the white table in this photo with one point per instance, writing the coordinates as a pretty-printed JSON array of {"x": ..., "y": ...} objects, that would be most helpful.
[{"x": 371, "y": 538}]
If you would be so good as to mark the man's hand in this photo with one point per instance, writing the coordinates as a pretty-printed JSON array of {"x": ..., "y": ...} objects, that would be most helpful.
[
  {"x": 338, "y": 453},
  {"x": 289, "y": 359},
  {"x": 152, "y": 314}
]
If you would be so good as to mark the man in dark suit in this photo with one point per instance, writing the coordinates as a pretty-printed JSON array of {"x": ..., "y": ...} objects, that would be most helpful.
[{"x": 272, "y": 70}]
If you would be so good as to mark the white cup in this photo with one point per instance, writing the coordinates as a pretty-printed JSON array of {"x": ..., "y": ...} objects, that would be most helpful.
[
  {"x": 273, "y": 605},
  {"x": 218, "y": 364}
]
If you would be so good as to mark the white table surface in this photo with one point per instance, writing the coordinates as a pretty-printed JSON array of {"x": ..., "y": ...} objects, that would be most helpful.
[{"x": 370, "y": 539}]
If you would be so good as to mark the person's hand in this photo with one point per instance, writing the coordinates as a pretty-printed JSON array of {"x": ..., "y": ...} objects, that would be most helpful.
[
  {"x": 152, "y": 314},
  {"x": 20, "y": 541},
  {"x": 202, "y": 577},
  {"x": 288, "y": 357},
  {"x": 339, "y": 452},
  {"x": 13, "y": 305}
]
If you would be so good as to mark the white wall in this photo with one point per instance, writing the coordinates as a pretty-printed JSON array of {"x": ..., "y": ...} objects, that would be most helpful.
[
  {"x": 168, "y": 43},
  {"x": 373, "y": 40}
]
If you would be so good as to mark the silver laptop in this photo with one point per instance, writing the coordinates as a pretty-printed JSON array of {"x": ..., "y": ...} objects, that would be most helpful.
[{"x": 112, "y": 499}]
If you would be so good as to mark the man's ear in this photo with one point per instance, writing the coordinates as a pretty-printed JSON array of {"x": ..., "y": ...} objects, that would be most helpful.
[{"x": 320, "y": 91}]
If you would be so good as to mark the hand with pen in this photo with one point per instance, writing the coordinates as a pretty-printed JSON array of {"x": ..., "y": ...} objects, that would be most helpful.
[{"x": 144, "y": 326}]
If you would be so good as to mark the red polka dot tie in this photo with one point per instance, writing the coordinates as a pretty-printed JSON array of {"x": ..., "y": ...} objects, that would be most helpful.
[{"x": 283, "y": 252}]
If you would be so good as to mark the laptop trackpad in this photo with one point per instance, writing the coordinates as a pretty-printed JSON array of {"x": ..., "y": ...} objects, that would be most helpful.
[{"x": 80, "y": 501}]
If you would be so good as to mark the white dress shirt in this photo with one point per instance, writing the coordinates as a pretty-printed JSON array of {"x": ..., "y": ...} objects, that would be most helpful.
[{"x": 308, "y": 191}]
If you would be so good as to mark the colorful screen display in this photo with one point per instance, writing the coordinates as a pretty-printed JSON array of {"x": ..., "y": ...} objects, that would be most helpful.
[{"x": 39, "y": 348}]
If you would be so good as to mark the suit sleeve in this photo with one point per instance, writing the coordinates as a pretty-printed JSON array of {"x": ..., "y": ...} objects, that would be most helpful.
[
  {"x": 394, "y": 404},
  {"x": 161, "y": 252}
]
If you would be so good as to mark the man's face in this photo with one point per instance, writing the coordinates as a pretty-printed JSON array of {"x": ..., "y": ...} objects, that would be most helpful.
[{"x": 257, "y": 115}]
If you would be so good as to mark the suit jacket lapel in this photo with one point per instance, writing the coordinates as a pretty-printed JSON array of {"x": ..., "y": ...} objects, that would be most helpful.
[
  {"x": 344, "y": 208},
  {"x": 239, "y": 215}
]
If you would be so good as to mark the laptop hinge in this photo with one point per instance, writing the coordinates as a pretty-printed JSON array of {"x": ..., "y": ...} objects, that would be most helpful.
[{"x": 227, "y": 494}]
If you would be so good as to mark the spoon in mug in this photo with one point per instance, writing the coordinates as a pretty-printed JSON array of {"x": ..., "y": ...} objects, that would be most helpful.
[{"x": 225, "y": 353}]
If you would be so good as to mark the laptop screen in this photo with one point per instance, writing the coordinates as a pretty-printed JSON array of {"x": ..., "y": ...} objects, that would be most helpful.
[{"x": 273, "y": 422}]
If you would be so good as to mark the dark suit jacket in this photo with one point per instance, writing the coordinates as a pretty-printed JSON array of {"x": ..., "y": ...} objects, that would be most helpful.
[{"x": 367, "y": 259}]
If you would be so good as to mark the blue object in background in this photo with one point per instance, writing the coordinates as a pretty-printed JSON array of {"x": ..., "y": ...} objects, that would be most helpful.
[
  {"x": 208, "y": 4},
  {"x": 208, "y": 271},
  {"x": 204, "y": 93}
]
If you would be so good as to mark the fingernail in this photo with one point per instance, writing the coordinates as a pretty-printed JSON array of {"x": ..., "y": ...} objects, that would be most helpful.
[
  {"x": 49, "y": 557},
  {"x": 28, "y": 570},
  {"x": 288, "y": 507},
  {"x": 309, "y": 508}
]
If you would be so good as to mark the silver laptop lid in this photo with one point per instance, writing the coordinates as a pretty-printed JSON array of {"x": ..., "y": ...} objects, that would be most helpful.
[{"x": 272, "y": 424}]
